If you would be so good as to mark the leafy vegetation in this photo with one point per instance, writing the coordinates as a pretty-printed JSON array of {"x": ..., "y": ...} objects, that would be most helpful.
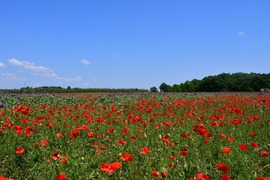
[
  {"x": 225, "y": 82},
  {"x": 58, "y": 89},
  {"x": 137, "y": 136}
]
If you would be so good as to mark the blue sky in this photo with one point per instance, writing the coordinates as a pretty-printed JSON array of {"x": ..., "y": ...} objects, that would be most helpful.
[{"x": 130, "y": 43}]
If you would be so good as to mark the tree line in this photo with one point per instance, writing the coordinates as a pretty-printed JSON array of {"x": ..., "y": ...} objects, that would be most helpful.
[
  {"x": 224, "y": 82},
  {"x": 58, "y": 89}
]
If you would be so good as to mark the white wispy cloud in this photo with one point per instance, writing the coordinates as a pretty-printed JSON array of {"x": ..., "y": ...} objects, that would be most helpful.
[
  {"x": 241, "y": 33},
  {"x": 30, "y": 66},
  {"x": 41, "y": 70},
  {"x": 78, "y": 78},
  {"x": 12, "y": 77},
  {"x": 85, "y": 62},
  {"x": 2, "y": 64}
]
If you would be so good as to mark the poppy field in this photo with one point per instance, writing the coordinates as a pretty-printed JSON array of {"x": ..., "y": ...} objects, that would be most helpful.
[{"x": 135, "y": 136}]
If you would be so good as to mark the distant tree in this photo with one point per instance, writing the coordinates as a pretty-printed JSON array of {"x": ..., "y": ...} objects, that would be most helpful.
[
  {"x": 223, "y": 82},
  {"x": 153, "y": 89},
  {"x": 163, "y": 87},
  {"x": 176, "y": 88}
]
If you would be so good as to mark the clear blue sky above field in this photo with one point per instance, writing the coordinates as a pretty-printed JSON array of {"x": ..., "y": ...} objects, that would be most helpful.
[{"x": 130, "y": 43}]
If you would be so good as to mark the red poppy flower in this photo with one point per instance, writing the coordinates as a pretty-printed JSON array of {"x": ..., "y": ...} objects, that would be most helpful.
[
  {"x": 145, "y": 150},
  {"x": 184, "y": 153},
  {"x": 230, "y": 139},
  {"x": 74, "y": 133},
  {"x": 253, "y": 134},
  {"x": 206, "y": 141},
  {"x": 226, "y": 177},
  {"x": 173, "y": 158},
  {"x": 226, "y": 150},
  {"x": 262, "y": 178},
  {"x": 111, "y": 130},
  {"x": 61, "y": 177},
  {"x": 243, "y": 147},
  {"x": 110, "y": 168},
  {"x": 19, "y": 150},
  {"x": 44, "y": 142},
  {"x": 255, "y": 145},
  {"x": 223, "y": 167},
  {"x": 60, "y": 135},
  {"x": 264, "y": 153},
  {"x": 126, "y": 157},
  {"x": 133, "y": 137},
  {"x": 19, "y": 129},
  {"x": 164, "y": 174},
  {"x": 155, "y": 174},
  {"x": 63, "y": 159},
  {"x": 200, "y": 176},
  {"x": 3, "y": 178},
  {"x": 90, "y": 134},
  {"x": 55, "y": 155},
  {"x": 122, "y": 141},
  {"x": 222, "y": 135},
  {"x": 103, "y": 147}
]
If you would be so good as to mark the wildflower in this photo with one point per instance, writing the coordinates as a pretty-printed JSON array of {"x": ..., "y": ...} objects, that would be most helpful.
[
  {"x": 111, "y": 130},
  {"x": 60, "y": 135},
  {"x": 122, "y": 141},
  {"x": 264, "y": 153},
  {"x": 90, "y": 134},
  {"x": 226, "y": 150},
  {"x": 74, "y": 133},
  {"x": 222, "y": 135},
  {"x": 44, "y": 142},
  {"x": 200, "y": 176},
  {"x": 255, "y": 145},
  {"x": 133, "y": 137},
  {"x": 145, "y": 150},
  {"x": 230, "y": 139},
  {"x": 55, "y": 155},
  {"x": 110, "y": 168},
  {"x": 184, "y": 153},
  {"x": 206, "y": 141},
  {"x": 19, "y": 150},
  {"x": 262, "y": 178},
  {"x": 173, "y": 158},
  {"x": 226, "y": 177},
  {"x": 243, "y": 147},
  {"x": 164, "y": 174},
  {"x": 126, "y": 157},
  {"x": 4, "y": 178},
  {"x": 61, "y": 177},
  {"x": 155, "y": 174},
  {"x": 223, "y": 167}
]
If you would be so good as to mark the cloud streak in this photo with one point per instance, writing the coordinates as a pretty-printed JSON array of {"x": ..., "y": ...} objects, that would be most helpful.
[
  {"x": 2, "y": 64},
  {"x": 41, "y": 70},
  {"x": 241, "y": 33},
  {"x": 11, "y": 77},
  {"x": 85, "y": 62},
  {"x": 30, "y": 66}
]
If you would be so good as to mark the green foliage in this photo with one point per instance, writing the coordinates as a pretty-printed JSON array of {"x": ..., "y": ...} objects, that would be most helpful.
[
  {"x": 153, "y": 89},
  {"x": 166, "y": 124},
  {"x": 163, "y": 87},
  {"x": 58, "y": 89},
  {"x": 225, "y": 82}
]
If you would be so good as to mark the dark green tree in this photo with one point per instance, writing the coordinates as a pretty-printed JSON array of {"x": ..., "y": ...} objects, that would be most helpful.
[
  {"x": 163, "y": 87},
  {"x": 153, "y": 89}
]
